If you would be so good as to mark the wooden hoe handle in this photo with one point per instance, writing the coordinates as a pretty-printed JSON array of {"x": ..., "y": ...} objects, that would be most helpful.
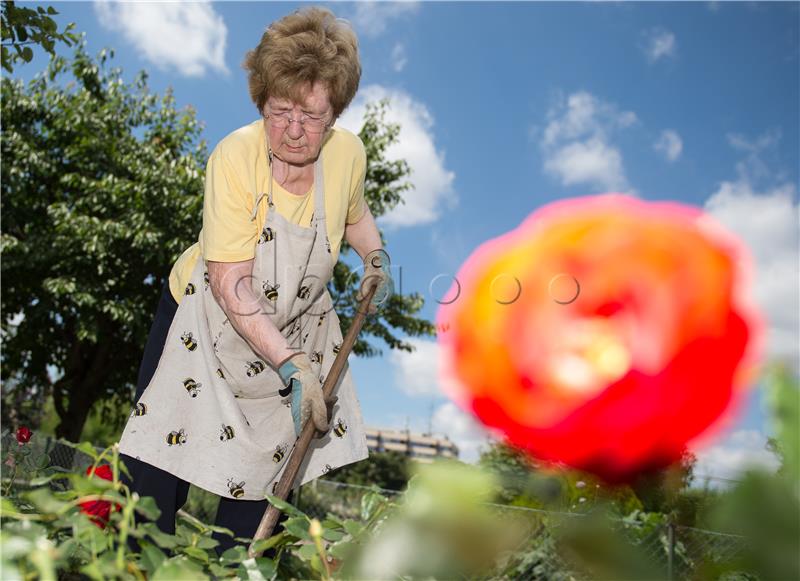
[{"x": 270, "y": 518}]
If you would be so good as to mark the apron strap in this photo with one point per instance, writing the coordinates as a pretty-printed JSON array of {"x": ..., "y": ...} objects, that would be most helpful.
[{"x": 269, "y": 188}]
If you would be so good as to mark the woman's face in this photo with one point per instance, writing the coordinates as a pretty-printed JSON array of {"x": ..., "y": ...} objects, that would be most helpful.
[{"x": 297, "y": 130}]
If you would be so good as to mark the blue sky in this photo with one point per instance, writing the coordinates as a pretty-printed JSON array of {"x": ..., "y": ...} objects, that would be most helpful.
[{"x": 508, "y": 106}]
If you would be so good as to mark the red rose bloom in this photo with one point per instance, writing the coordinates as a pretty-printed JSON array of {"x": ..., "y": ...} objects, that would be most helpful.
[
  {"x": 99, "y": 510},
  {"x": 24, "y": 435},
  {"x": 605, "y": 333}
]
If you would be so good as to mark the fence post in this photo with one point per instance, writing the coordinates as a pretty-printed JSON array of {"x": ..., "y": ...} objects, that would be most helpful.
[{"x": 671, "y": 551}]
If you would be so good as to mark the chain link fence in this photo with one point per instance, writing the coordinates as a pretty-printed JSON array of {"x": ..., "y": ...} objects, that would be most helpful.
[{"x": 682, "y": 552}]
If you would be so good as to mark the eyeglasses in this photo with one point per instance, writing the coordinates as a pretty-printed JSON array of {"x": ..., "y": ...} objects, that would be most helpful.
[{"x": 311, "y": 124}]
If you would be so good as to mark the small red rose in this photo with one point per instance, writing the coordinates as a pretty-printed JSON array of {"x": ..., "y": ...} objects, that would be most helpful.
[
  {"x": 24, "y": 435},
  {"x": 99, "y": 511}
]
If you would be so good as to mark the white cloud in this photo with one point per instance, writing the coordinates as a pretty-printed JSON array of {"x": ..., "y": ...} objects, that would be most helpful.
[
  {"x": 416, "y": 372},
  {"x": 462, "y": 429},
  {"x": 767, "y": 219},
  {"x": 591, "y": 162},
  {"x": 433, "y": 183},
  {"x": 186, "y": 37},
  {"x": 729, "y": 459},
  {"x": 371, "y": 18},
  {"x": 399, "y": 57},
  {"x": 576, "y": 143},
  {"x": 659, "y": 43},
  {"x": 669, "y": 144},
  {"x": 418, "y": 375}
]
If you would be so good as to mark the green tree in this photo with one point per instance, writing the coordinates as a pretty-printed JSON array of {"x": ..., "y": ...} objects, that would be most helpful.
[
  {"x": 388, "y": 470},
  {"x": 383, "y": 189},
  {"x": 23, "y": 27},
  {"x": 102, "y": 190}
]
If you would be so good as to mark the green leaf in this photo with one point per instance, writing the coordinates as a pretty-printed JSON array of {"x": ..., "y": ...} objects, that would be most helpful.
[
  {"x": 163, "y": 540},
  {"x": 307, "y": 551},
  {"x": 151, "y": 557},
  {"x": 85, "y": 447},
  {"x": 342, "y": 550},
  {"x": 261, "y": 569},
  {"x": 298, "y": 527},
  {"x": 147, "y": 507},
  {"x": 207, "y": 542},
  {"x": 354, "y": 528},
  {"x": 179, "y": 568},
  {"x": 235, "y": 554},
  {"x": 196, "y": 553},
  {"x": 43, "y": 500},
  {"x": 7, "y": 506},
  {"x": 92, "y": 570},
  {"x": 220, "y": 572},
  {"x": 332, "y": 535},
  {"x": 262, "y": 545},
  {"x": 284, "y": 506},
  {"x": 370, "y": 503}
]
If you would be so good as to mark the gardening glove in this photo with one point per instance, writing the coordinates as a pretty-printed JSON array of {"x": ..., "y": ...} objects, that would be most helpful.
[
  {"x": 376, "y": 269},
  {"x": 307, "y": 397}
]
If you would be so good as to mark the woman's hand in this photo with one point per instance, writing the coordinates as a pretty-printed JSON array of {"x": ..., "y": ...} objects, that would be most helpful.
[
  {"x": 376, "y": 272},
  {"x": 307, "y": 397},
  {"x": 365, "y": 239}
]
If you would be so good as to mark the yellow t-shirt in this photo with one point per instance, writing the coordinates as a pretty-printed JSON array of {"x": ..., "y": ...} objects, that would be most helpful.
[{"x": 237, "y": 172}]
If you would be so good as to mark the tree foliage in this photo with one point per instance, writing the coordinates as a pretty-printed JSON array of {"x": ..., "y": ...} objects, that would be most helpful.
[
  {"x": 383, "y": 189},
  {"x": 102, "y": 191},
  {"x": 102, "y": 188},
  {"x": 389, "y": 470},
  {"x": 24, "y": 27}
]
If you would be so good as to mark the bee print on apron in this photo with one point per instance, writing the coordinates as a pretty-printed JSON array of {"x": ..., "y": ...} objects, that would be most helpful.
[
  {"x": 270, "y": 291},
  {"x": 254, "y": 368},
  {"x": 191, "y": 386},
  {"x": 340, "y": 429},
  {"x": 176, "y": 438},
  {"x": 267, "y": 235},
  {"x": 236, "y": 490},
  {"x": 226, "y": 433},
  {"x": 188, "y": 341},
  {"x": 280, "y": 452},
  {"x": 139, "y": 409}
]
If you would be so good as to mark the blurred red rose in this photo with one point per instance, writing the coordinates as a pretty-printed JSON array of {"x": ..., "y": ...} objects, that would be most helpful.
[
  {"x": 24, "y": 435},
  {"x": 99, "y": 510},
  {"x": 605, "y": 333}
]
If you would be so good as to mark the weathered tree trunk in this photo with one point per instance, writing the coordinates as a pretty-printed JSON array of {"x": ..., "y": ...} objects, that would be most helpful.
[{"x": 77, "y": 391}]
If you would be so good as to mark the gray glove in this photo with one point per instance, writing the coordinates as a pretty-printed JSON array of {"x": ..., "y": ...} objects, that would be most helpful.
[
  {"x": 376, "y": 268},
  {"x": 307, "y": 398}
]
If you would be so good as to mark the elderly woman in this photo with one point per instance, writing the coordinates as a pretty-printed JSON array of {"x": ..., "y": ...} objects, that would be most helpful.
[{"x": 246, "y": 332}]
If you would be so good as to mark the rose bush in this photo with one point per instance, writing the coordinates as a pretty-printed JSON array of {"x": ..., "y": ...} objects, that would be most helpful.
[{"x": 605, "y": 333}]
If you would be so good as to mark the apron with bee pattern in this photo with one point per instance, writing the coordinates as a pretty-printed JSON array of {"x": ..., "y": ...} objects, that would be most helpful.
[{"x": 213, "y": 413}]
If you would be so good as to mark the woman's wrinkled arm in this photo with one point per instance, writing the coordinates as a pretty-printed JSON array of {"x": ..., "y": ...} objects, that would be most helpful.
[
  {"x": 363, "y": 236},
  {"x": 231, "y": 285}
]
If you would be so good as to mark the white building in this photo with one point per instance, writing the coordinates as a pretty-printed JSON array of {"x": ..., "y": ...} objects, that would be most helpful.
[{"x": 421, "y": 447}]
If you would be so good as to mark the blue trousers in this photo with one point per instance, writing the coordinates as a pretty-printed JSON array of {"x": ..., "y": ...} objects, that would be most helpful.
[{"x": 170, "y": 492}]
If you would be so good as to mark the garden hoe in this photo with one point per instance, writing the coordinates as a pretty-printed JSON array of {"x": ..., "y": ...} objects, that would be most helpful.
[{"x": 270, "y": 518}]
